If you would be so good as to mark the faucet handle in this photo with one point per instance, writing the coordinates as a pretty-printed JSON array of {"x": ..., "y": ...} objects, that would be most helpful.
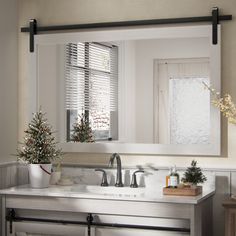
[
  {"x": 104, "y": 177},
  {"x": 134, "y": 179}
]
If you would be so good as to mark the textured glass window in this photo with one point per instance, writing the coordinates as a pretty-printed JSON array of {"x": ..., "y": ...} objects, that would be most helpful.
[{"x": 189, "y": 111}]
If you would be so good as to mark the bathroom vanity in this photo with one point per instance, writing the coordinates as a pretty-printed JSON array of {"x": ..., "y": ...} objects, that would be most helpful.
[
  {"x": 95, "y": 210},
  {"x": 137, "y": 66}
]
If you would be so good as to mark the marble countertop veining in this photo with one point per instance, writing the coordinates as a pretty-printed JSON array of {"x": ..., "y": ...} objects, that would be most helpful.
[{"x": 80, "y": 191}]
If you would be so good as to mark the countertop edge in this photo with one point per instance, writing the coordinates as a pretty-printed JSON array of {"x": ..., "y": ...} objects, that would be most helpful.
[{"x": 112, "y": 197}]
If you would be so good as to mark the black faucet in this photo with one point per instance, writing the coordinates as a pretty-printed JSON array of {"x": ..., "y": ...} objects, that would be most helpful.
[{"x": 119, "y": 172}]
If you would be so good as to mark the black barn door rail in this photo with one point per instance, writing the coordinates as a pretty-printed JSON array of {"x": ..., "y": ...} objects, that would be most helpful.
[
  {"x": 11, "y": 217},
  {"x": 215, "y": 18}
]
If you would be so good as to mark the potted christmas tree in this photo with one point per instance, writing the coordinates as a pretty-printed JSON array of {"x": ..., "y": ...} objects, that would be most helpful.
[
  {"x": 193, "y": 175},
  {"x": 38, "y": 150}
]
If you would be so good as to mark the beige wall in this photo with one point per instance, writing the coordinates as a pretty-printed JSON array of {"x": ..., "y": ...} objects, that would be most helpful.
[
  {"x": 8, "y": 79},
  {"x": 55, "y": 12}
]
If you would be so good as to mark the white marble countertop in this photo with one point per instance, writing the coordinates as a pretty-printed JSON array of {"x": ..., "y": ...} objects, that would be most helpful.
[{"x": 109, "y": 193}]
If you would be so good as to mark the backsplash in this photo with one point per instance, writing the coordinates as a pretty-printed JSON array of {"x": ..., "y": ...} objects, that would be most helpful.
[
  {"x": 8, "y": 175},
  {"x": 149, "y": 179}
]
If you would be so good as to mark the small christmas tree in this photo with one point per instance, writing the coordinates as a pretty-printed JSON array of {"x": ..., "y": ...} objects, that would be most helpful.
[
  {"x": 194, "y": 174},
  {"x": 39, "y": 145},
  {"x": 82, "y": 132}
]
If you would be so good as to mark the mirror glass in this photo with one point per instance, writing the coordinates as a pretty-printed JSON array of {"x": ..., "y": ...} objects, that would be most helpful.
[{"x": 140, "y": 90}]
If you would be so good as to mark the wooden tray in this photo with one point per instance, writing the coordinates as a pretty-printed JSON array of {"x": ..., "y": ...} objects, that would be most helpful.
[{"x": 185, "y": 191}]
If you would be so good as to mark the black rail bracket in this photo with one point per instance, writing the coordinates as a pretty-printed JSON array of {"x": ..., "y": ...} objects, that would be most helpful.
[
  {"x": 32, "y": 31},
  {"x": 215, "y": 22}
]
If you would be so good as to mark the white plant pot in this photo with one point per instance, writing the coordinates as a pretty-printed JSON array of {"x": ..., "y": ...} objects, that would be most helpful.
[{"x": 39, "y": 175}]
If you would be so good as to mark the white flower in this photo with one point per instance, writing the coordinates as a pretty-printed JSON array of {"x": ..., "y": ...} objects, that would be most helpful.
[{"x": 225, "y": 104}]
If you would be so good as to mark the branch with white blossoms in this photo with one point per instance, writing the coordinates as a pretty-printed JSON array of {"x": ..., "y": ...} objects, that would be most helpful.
[{"x": 225, "y": 104}]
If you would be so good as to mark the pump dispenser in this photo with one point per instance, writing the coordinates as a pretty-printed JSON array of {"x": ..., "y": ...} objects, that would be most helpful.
[{"x": 174, "y": 178}]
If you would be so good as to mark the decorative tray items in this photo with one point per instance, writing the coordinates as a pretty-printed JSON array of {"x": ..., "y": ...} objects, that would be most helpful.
[{"x": 192, "y": 176}]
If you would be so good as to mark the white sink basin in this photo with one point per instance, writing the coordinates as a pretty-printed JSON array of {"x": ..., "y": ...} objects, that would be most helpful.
[{"x": 110, "y": 190}]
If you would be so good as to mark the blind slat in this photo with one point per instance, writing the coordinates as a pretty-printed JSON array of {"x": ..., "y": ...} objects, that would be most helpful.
[{"x": 96, "y": 64}]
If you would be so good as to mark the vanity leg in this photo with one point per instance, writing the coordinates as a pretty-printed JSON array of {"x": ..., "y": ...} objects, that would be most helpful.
[
  {"x": 196, "y": 221},
  {"x": 208, "y": 217},
  {"x": 201, "y": 219},
  {"x": 3, "y": 216}
]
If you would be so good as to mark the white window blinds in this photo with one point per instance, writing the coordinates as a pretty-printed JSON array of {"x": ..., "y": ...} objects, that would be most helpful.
[{"x": 91, "y": 77}]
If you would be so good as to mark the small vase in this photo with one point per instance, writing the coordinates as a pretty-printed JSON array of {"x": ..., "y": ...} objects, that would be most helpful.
[
  {"x": 39, "y": 175},
  {"x": 55, "y": 177}
]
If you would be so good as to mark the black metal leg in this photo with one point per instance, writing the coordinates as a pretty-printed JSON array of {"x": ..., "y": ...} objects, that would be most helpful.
[
  {"x": 90, "y": 221},
  {"x": 10, "y": 217}
]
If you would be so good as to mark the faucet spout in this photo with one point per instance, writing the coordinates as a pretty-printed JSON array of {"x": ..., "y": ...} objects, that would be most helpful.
[{"x": 116, "y": 156}]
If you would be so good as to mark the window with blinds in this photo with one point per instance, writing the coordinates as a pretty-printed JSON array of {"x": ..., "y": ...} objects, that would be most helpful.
[{"x": 91, "y": 74}]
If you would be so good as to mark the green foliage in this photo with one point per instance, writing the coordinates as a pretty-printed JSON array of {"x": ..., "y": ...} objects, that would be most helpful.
[
  {"x": 82, "y": 132},
  {"x": 39, "y": 146},
  {"x": 194, "y": 174}
]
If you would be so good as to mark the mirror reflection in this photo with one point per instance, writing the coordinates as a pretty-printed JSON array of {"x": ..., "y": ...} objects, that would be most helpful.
[
  {"x": 137, "y": 91},
  {"x": 140, "y": 91}
]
